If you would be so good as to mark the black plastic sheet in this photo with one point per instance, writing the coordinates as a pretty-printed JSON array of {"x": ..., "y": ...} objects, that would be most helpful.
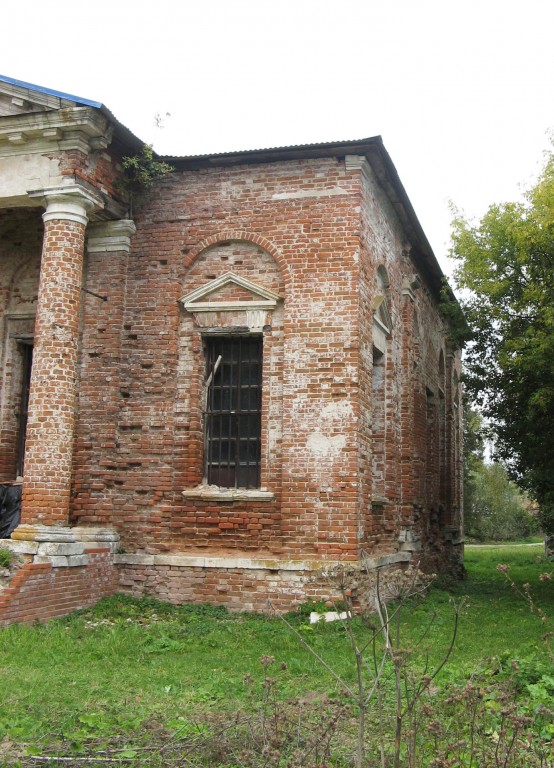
[{"x": 10, "y": 508}]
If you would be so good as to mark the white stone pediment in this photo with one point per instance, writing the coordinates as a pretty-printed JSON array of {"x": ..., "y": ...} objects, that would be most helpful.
[{"x": 214, "y": 297}]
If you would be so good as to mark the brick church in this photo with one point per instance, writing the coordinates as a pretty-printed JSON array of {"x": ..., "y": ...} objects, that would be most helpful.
[{"x": 208, "y": 397}]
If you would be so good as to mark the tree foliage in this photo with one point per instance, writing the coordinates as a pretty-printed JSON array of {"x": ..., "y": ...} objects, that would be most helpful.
[
  {"x": 495, "y": 509},
  {"x": 505, "y": 266},
  {"x": 473, "y": 461}
]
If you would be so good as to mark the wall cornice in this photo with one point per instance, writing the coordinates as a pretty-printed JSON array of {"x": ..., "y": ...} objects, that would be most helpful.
[{"x": 77, "y": 128}]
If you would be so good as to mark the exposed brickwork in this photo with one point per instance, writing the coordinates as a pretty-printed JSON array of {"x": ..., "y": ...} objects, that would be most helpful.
[
  {"x": 48, "y": 460},
  {"x": 99, "y": 168},
  {"x": 21, "y": 232},
  {"x": 39, "y": 592},
  {"x": 360, "y": 403},
  {"x": 99, "y": 396},
  {"x": 239, "y": 589}
]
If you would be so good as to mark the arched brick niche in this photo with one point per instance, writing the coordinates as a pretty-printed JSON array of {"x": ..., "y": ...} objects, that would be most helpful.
[{"x": 16, "y": 338}]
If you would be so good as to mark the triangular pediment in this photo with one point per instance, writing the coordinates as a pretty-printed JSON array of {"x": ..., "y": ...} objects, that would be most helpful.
[{"x": 229, "y": 292}]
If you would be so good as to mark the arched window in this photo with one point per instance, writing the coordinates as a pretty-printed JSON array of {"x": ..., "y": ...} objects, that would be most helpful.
[
  {"x": 442, "y": 428},
  {"x": 382, "y": 327},
  {"x": 229, "y": 341}
]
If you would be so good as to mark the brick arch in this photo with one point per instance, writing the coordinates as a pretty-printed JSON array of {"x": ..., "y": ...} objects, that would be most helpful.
[{"x": 245, "y": 237}]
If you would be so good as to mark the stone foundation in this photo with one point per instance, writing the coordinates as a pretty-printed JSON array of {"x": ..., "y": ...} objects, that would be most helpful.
[{"x": 239, "y": 583}]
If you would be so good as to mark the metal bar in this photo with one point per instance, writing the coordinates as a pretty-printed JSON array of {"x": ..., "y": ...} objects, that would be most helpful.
[{"x": 96, "y": 295}]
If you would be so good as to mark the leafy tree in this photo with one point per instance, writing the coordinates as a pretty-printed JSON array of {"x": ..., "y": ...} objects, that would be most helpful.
[
  {"x": 505, "y": 265},
  {"x": 497, "y": 510},
  {"x": 473, "y": 461}
]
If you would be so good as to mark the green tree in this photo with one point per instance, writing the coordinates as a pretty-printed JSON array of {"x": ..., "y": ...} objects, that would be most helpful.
[
  {"x": 505, "y": 266},
  {"x": 497, "y": 509},
  {"x": 473, "y": 461}
]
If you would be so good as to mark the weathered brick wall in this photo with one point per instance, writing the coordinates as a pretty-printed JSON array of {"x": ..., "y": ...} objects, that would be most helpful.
[
  {"x": 348, "y": 464},
  {"x": 101, "y": 168},
  {"x": 39, "y": 592},
  {"x": 20, "y": 247},
  {"x": 315, "y": 232},
  {"x": 96, "y": 470},
  {"x": 303, "y": 217},
  {"x": 238, "y": 588},
  {"x": 414, "y": 392}
]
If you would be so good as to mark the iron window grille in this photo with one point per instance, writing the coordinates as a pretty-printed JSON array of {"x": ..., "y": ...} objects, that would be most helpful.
[{"x": 233, "y": 398}]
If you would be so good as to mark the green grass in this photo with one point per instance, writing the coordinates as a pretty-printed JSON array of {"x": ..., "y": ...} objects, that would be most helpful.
[{"x": 129, "y": 663}]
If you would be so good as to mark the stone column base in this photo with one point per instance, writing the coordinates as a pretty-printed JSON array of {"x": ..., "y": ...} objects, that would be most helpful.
[{"x": 61, "y": 546}]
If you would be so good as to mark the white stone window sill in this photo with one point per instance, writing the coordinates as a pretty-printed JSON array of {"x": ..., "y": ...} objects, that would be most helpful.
[{"x": 215, "y": 493}]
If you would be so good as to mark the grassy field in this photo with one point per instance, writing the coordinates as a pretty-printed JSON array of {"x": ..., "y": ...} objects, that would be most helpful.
[{"x": 127, "y": 668}]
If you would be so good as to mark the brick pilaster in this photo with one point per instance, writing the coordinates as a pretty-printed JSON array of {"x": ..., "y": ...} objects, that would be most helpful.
[
  {"x": 96, "y": 445},
  {"x": 50, "y": 427}
]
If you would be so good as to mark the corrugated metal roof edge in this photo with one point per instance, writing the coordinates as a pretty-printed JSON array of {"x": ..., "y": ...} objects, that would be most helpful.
[
  {"x": 237, "y": 155},
  {"x": 379, "y": 159}
]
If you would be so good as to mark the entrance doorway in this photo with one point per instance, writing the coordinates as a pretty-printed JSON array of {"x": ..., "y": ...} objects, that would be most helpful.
[{"x": 26, "y": 366}]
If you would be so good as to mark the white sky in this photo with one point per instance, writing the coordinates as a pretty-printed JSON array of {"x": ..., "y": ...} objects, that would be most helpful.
[{"x": 461, "y": 92}]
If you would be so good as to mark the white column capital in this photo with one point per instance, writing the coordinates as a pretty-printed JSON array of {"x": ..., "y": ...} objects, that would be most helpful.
[
  {"x": 70, "y": 202},
  {"x": 105, "y": 236}
]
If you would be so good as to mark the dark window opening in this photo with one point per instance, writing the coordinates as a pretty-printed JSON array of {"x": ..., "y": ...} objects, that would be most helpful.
[
  {"x": 233, "y": 411},
  {"x": 26, "y": 365}
]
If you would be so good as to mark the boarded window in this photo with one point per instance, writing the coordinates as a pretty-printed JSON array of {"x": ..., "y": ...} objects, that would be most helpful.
[{"x": 233, "y": 411}]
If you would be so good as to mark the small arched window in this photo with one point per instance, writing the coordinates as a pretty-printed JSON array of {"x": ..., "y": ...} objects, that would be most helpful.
[{"x": 382, "y": 327}]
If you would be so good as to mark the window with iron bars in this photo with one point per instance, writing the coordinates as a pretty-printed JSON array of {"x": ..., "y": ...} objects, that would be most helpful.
[{"x": 232, "y": 417}]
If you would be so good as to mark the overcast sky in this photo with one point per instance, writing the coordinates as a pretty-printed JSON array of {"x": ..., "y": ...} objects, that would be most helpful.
[{"x": 461, "y": 92}]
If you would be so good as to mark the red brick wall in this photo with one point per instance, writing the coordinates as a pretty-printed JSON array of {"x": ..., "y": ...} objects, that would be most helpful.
[
  {"x": 20, "y": 247},
  {"x": 315, "y": 233},
  {"x": 308, "y": 255},
  {"x": 239, "y": 589},
  {"x": 101, "y": 168},
  {"x": 39, "y": 592},
  {"x": 412, "y": 440},
  {"x": 96, "y": 448}
]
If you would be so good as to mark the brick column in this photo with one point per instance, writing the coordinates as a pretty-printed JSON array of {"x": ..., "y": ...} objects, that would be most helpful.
[{"x": 49, "y": 446}]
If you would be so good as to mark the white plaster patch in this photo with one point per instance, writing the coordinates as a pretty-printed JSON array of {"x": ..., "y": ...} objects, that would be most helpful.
[
  {"x": 305, "y": 193},
  {"x": 340, "y": 410},
  {"x": 321, "y": 445},
  {"x": 20, "y": 174}
]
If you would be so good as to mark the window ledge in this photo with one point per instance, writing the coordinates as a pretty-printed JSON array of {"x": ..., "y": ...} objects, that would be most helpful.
[{"x": 228, "y": 494}]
